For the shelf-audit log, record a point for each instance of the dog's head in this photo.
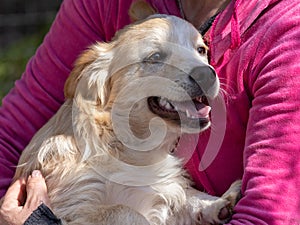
(153, 68)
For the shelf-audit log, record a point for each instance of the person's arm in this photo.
(39, 93)
(271, 178)
(42, 216)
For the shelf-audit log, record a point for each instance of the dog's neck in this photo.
(143, 157)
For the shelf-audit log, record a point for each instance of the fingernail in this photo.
(36, 173)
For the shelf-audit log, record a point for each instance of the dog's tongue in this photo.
(193, 109)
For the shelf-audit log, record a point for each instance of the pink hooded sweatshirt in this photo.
(255, 49)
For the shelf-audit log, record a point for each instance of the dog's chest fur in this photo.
(84, 187)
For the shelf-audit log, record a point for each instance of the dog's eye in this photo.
(202, 50)
(154, 58)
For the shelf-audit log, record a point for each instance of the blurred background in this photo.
(23, 25)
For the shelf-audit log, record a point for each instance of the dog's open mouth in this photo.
(191, 113)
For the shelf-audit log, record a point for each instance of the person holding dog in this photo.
(254, 47)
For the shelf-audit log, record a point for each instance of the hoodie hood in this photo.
(230, 25)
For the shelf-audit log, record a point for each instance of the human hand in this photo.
(22, 198)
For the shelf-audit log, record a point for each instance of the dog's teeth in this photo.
(199, 99)
(168, 106)
(163, 102)
(187, 113)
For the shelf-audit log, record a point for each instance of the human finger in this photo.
(36, 191)
(11, 208)
(16, 194)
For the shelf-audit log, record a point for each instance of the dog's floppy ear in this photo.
(85, 59)
(90, 74)
(140, 10)
(87, 90)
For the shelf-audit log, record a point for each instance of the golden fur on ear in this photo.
(140, 10)
(82, 62)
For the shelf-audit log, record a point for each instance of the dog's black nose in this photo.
(204, 76)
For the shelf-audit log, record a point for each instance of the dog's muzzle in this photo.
(206, 79)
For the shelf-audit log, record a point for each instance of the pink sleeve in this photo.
(39, 93)
(271, 178)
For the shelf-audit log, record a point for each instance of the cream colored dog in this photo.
(107, 153)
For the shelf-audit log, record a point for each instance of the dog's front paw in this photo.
(208, 209)
(232, 195)
(215, 212)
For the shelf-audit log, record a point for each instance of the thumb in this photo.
(15, 195)
(36, 191)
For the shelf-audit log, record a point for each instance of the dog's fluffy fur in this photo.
(93, 177)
